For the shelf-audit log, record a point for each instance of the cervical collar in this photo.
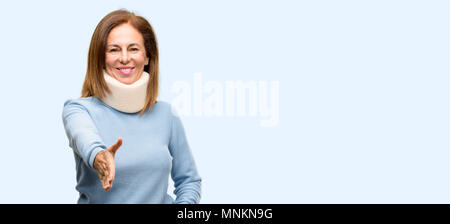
(126, 98)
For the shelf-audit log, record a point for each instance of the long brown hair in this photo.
(94, 82)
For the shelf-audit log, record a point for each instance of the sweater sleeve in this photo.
(184, 172)
(81, 132)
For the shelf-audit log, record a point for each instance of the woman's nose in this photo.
(124, 58)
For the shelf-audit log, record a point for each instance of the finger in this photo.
(104, 182)
(108, 184)
(103, 174)
(112, 173)
(100, 170)
(116, 145)
(109, 175)
(108, 171)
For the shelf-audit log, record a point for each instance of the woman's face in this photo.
(125, 54)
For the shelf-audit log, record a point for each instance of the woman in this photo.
(125, 142)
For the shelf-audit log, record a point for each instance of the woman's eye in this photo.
(134, 49)
(113, 50)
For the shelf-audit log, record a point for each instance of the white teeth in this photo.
(125, 69)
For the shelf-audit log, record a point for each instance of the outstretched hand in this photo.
(105, 166)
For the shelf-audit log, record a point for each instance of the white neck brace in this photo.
(126, 98)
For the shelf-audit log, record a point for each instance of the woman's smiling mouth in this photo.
(126, 70)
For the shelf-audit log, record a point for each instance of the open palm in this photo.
(105, 166)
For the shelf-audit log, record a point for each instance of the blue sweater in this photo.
(154, 146)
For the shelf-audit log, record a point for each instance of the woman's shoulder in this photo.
(85, 102)
(162, 104)
(165, 108)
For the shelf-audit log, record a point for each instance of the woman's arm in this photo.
(81, 132)
(184, 172)
(87, 143)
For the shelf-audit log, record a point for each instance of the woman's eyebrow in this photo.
(129, 45)
(112, 45)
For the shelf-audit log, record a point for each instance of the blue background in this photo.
(363, 97)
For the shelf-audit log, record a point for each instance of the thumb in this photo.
(113, 148)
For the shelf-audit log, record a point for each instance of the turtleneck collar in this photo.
(126, 98)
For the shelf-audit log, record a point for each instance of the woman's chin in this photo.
(126, 80)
